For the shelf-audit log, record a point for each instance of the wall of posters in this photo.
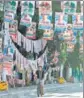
(31, 31)
(69, 7)
(61, 21)
(77, 20)
(48, 34)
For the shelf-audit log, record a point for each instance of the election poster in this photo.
(31, 31)
(77, 20)
(61, 21)
(13, 27)
(48, 34)
(25, 20)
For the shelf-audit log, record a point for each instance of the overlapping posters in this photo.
(45, 7)
(27, 12)
(77, 20)
(10, 10)
(13, 27)
(60, 22)
(48, 34)
(31, 31)
(0, 45)
(69, 7)
(45, 15)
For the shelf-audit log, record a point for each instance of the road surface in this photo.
(68, 90)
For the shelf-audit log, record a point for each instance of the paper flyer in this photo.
(61, 21)
(77, 20)
(45, 7)
(13, 27)
(31, 31)
(25, 20)
(48, 34)
(69, 7)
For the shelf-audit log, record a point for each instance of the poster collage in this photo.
(66, 32)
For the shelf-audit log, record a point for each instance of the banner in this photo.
(48, 34)
(31, 31)
(45, 7)
(61, 21)
(69, 7)
(77, 20)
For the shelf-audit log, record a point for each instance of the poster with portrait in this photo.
(8, 16)
(48, 34)
(77, 20)
(28, 7)
(14, 37)
(31, 31)
(69, 7)
(13, 27)
(61, 21)
(45, 7)
(45, 21)
(25, 20)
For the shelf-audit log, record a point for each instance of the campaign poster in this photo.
(25, 20)
(69, 7)
(61, 21)
(31, 31)
(77, 20)
(8, 16)
(48, 34)
(45, 7)
(28, 7)
(13, 27)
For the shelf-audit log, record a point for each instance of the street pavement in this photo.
(67, 90)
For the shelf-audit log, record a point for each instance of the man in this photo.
(40, 81)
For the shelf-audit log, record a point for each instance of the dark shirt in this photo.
(40, 74)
